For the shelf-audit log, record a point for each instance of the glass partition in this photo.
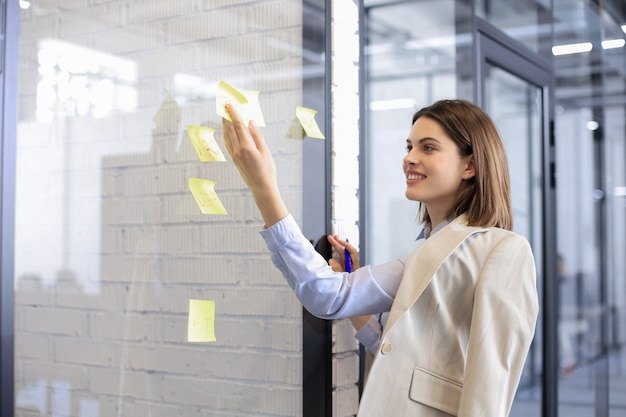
(130, 300)
(409, 65)
(528, 22)
(517, 108)
(590, 199)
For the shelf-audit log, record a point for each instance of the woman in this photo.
(462, 307)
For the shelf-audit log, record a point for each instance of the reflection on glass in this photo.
(77, 81)
(408, 66)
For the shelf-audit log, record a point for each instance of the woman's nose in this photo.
(409, 158)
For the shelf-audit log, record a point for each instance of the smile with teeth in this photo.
(415, 176)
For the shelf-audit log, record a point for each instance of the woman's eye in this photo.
(408, 148)
(428, 148)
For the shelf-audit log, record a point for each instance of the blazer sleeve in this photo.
(502, 328)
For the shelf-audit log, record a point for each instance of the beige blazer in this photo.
(459, 329)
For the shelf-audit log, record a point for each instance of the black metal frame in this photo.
(10, 19)
(316, 224)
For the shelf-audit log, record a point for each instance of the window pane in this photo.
(408, 66)
(528, 22)
(590, 203)
(111, 245)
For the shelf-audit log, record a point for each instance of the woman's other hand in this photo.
(339, 245)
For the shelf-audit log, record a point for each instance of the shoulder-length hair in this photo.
(485, 198)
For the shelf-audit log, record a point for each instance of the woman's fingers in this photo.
(336, 266)
(339, 245)
(235, 131)
(227, 133)
(255, 164)
(243, 150)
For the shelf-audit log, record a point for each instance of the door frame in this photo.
(494, 47)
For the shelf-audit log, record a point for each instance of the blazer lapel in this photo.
(427, 258)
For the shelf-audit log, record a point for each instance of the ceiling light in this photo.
(593, 125)
(400, 103)
(572, 48)
(613, 43)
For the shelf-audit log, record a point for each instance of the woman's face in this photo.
(434, 168)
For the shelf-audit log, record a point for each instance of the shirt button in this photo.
(385, 348)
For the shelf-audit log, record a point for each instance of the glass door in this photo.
(515, 90)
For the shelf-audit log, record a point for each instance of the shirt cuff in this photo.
(369, 334)
(280, 233)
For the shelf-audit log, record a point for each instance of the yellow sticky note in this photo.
(307, 120)
(204, 193)
(205, 144)
(201, 325)
(246, 102)
(253, 108)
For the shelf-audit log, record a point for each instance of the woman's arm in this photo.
(502, 328)
(324, 292)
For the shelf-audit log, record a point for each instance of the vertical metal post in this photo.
(9, 22)
(316, 212)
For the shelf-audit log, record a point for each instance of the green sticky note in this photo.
(206, 197)
(201, 327)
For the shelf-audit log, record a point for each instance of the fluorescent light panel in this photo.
(400, 103)
(613, 43)
(572, 48)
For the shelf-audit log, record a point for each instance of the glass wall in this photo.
(590, 135)
(129, 299)
(407, 68)
(411, 65)
(528, 22)
(113, 251)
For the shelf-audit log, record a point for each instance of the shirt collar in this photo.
(428, 231)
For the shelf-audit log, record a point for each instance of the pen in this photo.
(348, 259)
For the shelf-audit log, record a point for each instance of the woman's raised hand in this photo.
(253, 159)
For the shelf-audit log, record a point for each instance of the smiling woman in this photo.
(469, 288)
(111, 127)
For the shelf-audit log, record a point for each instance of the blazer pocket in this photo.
(435, 391)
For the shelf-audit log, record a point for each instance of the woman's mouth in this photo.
(415, 177)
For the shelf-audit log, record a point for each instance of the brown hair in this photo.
(486, 197)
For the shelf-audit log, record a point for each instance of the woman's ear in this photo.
(469, 171)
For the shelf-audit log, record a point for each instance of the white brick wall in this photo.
(110, 246)
(345, 169)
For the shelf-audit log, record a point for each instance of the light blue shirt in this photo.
(323, 292)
